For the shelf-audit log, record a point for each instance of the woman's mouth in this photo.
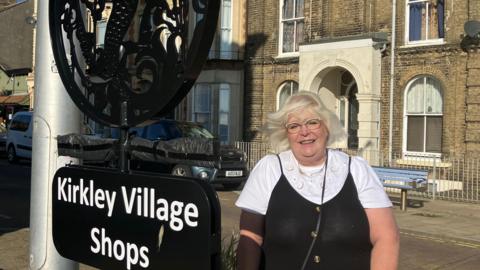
(307, 141)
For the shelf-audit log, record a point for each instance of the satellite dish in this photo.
(472, 28)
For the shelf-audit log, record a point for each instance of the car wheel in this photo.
(182, 170)
(12, 154)
(232, 186)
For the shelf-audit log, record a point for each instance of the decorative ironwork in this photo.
(150, 56)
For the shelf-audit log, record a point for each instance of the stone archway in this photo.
(321, 67)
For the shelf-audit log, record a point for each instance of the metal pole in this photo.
(392, 81)
(434, 175)
(124, 140)
(54, 114)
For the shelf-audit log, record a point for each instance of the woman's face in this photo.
(309, 143)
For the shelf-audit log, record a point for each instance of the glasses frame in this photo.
(305, 123)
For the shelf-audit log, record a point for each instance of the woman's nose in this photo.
(304, 130)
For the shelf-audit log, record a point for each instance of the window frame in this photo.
(215, 112)
(226, 48)
(280, 29)
(197, 111)
(224, 87)
(421, 42)
(416, 154)
(280, 88)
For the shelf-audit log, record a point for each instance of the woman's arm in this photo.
(249, 251)
(384, 237)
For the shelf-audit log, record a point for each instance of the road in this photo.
(14, 196)
(417, 251)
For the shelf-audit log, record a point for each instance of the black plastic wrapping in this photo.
(192, 151)
(86, 147)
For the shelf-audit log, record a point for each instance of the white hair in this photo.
(274, 128)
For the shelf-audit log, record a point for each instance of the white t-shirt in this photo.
(307, 181)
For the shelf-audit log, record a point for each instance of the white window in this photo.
(423, 120)
(286, 89)
(226, 30)
(291, 25)
(224, 113)
(211, 107)
(424, 21)
(202, 97)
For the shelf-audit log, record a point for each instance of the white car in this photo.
(19, 137)
(3, 140)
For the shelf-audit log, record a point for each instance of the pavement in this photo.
(443, 221)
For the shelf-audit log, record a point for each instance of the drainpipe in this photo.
(310, 22)
(392, 71)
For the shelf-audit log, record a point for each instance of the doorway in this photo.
(348, 106)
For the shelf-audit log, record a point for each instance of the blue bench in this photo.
(403, 179)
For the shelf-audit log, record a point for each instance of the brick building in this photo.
(216, 99)
(401, 75)
(6, 2)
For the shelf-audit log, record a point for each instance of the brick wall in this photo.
(457, 70)
(6, 2)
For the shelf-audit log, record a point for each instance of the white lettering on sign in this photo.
(143, 202)
(128, 252)
(85, 195)
(140, 201)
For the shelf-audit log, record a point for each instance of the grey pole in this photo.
(54, 114)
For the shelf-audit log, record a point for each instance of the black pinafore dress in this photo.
(341, 242)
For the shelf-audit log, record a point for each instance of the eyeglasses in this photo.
(311, 124)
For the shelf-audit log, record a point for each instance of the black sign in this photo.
(144, 63)
(111, 220)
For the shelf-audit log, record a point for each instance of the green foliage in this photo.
(229, 249)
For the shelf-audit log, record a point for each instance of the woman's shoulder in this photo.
(360, 163)
(268, 159)
(338, 155)
(266, 164)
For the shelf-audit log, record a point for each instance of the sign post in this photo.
(151, 54)
(54, 114)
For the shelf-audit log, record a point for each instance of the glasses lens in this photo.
(313, 124)
(293, 127)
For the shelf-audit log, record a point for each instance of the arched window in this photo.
(423, 116)
(287, 89)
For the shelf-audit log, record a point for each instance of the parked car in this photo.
(19, 137)
(230, 169)
(3, 140)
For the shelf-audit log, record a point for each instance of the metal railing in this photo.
(449, 177)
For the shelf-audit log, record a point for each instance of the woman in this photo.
(310, 207)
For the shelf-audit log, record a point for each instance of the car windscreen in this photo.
(168, 130)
